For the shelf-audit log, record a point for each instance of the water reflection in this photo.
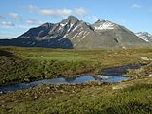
(62, 80)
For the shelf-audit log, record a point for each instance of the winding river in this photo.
(109, 75)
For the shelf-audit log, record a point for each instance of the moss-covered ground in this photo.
(26, 64)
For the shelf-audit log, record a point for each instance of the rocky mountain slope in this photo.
(75, 33)
(145, 36)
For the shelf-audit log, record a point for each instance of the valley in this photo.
(29, 64)
(75, 57)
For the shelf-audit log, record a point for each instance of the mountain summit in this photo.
(104, 25)
(75, 33)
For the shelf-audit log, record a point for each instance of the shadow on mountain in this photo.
(64, 43)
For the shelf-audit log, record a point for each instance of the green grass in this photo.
(136, 98)
(27, 64)
(107, 57)
(19, 70)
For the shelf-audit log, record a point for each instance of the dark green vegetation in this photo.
(26, 64)
(19, 65)
(131, 97)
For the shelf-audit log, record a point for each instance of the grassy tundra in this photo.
(131, 97)
(27, 64)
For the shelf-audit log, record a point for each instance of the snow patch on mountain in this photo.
(104, 25)
(80, 34)
(145, 36)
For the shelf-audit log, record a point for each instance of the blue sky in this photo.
(17, 16)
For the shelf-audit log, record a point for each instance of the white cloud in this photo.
(33, 22)
(23, 26)
(32, 8)
(94, 18)
(80, 11)
(55, 12)
(136, 6)
(59, 12)
(7, 24)
(14, 15)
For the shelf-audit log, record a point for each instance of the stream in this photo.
(109, 75)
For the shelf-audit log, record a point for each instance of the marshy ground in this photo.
(26, 64)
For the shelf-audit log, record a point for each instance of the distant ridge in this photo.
(75, 33)
(145, 36)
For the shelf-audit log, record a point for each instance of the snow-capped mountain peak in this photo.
(145, 36)
(104, 25)
(80, 34)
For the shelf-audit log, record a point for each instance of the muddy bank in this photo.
(120, 70)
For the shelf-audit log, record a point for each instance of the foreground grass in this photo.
(27, 64)
(134, 98)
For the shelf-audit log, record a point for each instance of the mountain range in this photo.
(145, 36)
(75, 33)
